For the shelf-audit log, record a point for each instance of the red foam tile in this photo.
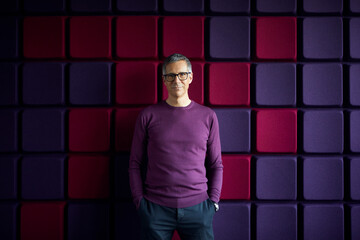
(276, 38)
(89, 130)
(125, 119)
(44, 37)
(90, 37)
(236, 177)
(229, 84)
(276, 130)
(183, 35)
(131, 32)
(136, 82)
(88, 177)
(42, 221)
(196, 89)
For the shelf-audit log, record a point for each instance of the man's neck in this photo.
(178, 102)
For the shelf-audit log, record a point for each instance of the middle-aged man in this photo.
(177, 142)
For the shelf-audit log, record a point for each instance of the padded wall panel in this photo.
(121, 176)
(44, 6)
(126, 221)
(354, 131)
(355, 221)
(9, 6)
(229, 6)
(88, 176)
(354, 6)
(9, 130)
(9, 218)
(9, 177)
(8, 84)
(185, 6)
(44, 37)
(90, 37)
(137, 6)
(9, 28)
(354, 38)
(276, 6)
(90, 6)
(354, 84)
(323, 6)
(354, 178)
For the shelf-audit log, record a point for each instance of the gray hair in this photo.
(174, 58)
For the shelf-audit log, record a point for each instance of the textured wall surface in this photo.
(283, 77)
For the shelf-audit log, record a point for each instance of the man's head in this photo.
(177, 75)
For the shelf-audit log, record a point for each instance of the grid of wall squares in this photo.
(283, 80)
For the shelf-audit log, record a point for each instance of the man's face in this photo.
(177, 88)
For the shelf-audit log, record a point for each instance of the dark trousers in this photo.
(159, 222)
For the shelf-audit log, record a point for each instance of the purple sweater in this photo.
(182, 145)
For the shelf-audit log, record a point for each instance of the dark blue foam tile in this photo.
(322, 84)
(276, 6)
(232, 221)
(43, 83)
(185, 6)
(8, 84)
(354, 6)
(230, 6)
(323, 178)
(323, 131)
(8, 130)
(354, 178)
(8, 177)
(43, 130)
(323, 221)
(323, 6)
(275, 84)
(354, 131)
(42, 177)
(122, 185)
(88, 221)
(276, 177)
(9, 37)
(127, 221)
(322, 38)
(44, 6)
(354, 84)
(234, 127)
(9, 6)
(276, 221)
(354, 221)
(90, 5)
(229, 38)
(8, 220)
(354, 38)
(90, 83)
(137, 6)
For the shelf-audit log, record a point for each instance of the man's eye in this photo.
(182, 74)
(171, 75)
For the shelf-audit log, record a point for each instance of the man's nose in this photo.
(177, 79)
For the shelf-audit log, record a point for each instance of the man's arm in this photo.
(214, 167)
(137, 156)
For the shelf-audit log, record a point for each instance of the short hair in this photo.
(174, 58)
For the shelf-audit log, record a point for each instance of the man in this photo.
(178, 142)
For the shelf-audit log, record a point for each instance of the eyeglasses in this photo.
(171, 76)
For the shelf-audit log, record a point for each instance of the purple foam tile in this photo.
(185, 6)
(323, 6)
(354, 130)
(9, 27)
(354, 178)
(8, 177)
(9, 130)
(276, 6)
(275, 84)
(90, 6)
(322, 84)
(276, 221)
(9, 6)
(354, 38)
(90, 83)
(42, 177)
(122, 185)
(276, 177)
(232, 221)
(354, 221)
(88, 221)
(127, 221)
(323, 178)
(137, 6)
(229, 6)
(323, 131)
(229, 38)
(8, 220)
(234, 125)
(43, 83)
(322, 38)
(354, 84)
(44, 6)
(43, 130)
(8, 84)
(323, 221)
(354, 6)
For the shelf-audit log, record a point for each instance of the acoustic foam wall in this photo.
(282, 76)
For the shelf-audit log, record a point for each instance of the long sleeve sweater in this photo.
(180, 149)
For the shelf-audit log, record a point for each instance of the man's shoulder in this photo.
(204, 109)
(152, 108)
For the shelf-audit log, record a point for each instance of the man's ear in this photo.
(190, 77)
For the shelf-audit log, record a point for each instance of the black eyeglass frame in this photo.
(176, 75)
